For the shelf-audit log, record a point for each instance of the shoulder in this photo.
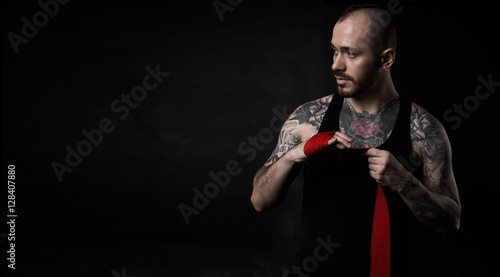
(302, 124)
(424, 124)
(322, 102)
(427, 133)
(312, 112)
(307, 118)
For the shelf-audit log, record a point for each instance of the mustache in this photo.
(342, 75)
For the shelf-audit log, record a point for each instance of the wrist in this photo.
(296, 154)
(407, 180)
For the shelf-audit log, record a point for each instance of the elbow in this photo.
(452, 228)
(257, 205)
(455, 222)
(455, 226)
(451, 221)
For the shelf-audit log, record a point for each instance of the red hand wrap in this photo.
(318, 143)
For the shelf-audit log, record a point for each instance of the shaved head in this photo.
(380, 32)
(363, 44)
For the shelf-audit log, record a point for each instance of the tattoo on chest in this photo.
(366, 128)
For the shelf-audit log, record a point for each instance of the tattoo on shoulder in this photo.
(430, 140)
(311, 113)
(431, 145)
(428, 133)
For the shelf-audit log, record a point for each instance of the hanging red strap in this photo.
(381, 240)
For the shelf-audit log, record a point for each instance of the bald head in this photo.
(380, 32)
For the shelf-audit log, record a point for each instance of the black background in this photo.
(118, 209)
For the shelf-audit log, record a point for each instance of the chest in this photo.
(368, 129)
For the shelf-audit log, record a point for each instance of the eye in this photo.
(351, 54)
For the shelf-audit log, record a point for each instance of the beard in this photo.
(356, 87)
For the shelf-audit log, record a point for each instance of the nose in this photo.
(338, 63)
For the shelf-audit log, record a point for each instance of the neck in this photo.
(376, 96)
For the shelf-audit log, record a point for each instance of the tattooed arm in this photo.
(434, 202)
(271, 182)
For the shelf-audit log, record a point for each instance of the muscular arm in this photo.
(435, 202)
(271, 182)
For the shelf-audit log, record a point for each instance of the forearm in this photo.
(271, 182)
(439, 212)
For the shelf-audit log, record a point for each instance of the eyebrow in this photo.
(345, 48)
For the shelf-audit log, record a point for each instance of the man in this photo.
(388, 157)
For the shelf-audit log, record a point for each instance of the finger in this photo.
(376, 176)
(374, 167)
(340, 135)
(345, 142)
(340, 145)
(372, 152)
(369, 152)
(339, 142)
(343, 136)
(374, 160)
(333, 142)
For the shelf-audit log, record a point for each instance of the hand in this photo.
(386, 169)
(323, 142)
(336, 143)
(340, 141)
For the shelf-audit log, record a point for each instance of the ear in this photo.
(387, 58)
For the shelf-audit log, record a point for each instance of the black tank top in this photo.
(339, 200)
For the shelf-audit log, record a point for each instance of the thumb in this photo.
(370, 152)
(332, 141)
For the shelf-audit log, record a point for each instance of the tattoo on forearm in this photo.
(435, 202)
(311, 113)
(428, 134)
(288, 139)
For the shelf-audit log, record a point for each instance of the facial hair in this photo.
(359, 86)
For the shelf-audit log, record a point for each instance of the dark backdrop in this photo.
(117, 212)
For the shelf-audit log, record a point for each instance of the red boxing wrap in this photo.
(318, 143)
